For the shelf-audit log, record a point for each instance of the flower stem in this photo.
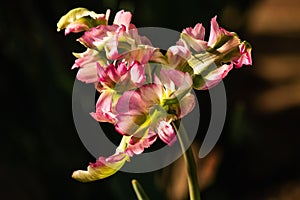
(191, 168)
(139, 191)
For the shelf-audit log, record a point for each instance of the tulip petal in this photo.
(187, 104)
(166, 132)
(215, 76)
(88, 74)
(102, 168)
(123, 18)
(137, 145)
(197, 32)
(80, 19)
(104, 111)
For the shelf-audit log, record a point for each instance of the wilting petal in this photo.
(186, 105)
(89, 56)
(245, 58)
(80, 19)
(128, 124)
(193, 37)
(87, 64)
(177, 56)
(104, 112)
(131, 112)
(151, 94)
(137, 74)
(123, 18)
(111, 45)
(76, 27)
(197, 32)
(137, 147)
(97, 36)
(166, 132)
(214, 77)
(88, 73)
(158, 57)
(108, 77)
(130, 102)
(218, 36)
(102, 168)
(135, 102)
(176, 82)
(142, 55)
(122, 68)
(180, 79)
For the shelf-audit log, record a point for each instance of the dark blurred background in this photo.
(257, 156)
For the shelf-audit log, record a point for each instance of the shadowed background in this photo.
(257, 156)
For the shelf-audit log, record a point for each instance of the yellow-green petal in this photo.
(79, 14)
(104, 167)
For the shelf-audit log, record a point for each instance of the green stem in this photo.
(191, 168)
(139, 191)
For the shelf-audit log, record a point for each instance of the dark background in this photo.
(258, 152)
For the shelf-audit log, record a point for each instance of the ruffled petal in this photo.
(214, 77)
(88, 73)
(218, 35)
(80, 19)
(245, 58)
(177, 56)
(131, 103)
(128, 124)
(186, 105)
(194, 38)
(104, 111)
(137, 145)
(197, 32)
(102, 168)
(166, 132)
(137, 74)
(123, 18)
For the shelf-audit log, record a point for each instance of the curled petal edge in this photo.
(102, 168)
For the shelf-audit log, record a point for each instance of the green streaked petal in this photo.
(102, 168)
(80, 15)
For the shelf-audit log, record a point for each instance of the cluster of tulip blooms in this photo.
(143, 89)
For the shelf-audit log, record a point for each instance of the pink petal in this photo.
(150, 94)
(95, 35)
(102, 168)
(128, 124)
(87, 57)
(245, 58)
(214, 77)
(141, 55)
(76, 28)
(166, 132)
(104, 111)
(187, 104)
(197, 32)
(122, 68)
(216, 33)
(123, 18)
(138, 147)
(182, 81)
(130, 102)
(88, 73)
(132, 112)
(177, 55)
(137, 74)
